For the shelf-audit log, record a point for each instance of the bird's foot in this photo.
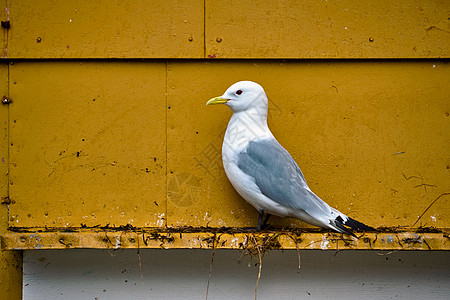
(262, 224)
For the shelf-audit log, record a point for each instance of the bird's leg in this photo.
(262, 224)
(261, 214)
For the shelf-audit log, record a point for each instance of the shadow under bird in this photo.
(263, 172)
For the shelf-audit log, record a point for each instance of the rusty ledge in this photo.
(225, 238)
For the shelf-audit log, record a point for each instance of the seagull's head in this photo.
(242, 96)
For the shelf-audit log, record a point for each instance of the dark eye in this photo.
(238, 92)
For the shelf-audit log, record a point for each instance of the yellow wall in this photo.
(95, 140)
(105, 143)
(227, 29)
(10, 261)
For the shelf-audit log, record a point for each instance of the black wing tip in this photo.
(352, 225)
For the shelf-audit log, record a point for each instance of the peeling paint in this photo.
(118, 243)
(324, 243)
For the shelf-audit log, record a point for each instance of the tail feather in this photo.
(350, 225)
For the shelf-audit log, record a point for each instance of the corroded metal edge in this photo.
(165, 239)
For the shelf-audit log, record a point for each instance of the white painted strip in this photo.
(183, 274)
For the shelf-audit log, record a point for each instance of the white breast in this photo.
(243, 128)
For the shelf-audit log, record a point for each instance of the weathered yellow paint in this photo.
(87, 144)
(106, 239)
(105, 29)
(110, 143)
(327, 29)
(4, 36)
(88, 147)
(4, 134)
(131, 144)
(10, 273)
(371, 138)
(227, 29)
(10, 261)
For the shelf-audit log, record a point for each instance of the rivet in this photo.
(218, 40)
(39, 39)
(6, 200)
(6, 24)
(23, 239)
(190, 39)
(371, 39)
(6, 100)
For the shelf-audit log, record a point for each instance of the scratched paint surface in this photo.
(105, 29)
(10, 261)
(205, 238)
(227, 29)
(87, 144)
(88, 147)
(327, 29)
(370, 137)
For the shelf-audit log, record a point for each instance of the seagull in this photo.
(263, 172)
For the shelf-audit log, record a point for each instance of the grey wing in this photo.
(278, 176)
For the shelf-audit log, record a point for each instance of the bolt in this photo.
(6, 200)
(6, 100)
(6, 24)
(218, 40)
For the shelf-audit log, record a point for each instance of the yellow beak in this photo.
(217, 100)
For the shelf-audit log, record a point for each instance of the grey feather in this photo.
(278, 176)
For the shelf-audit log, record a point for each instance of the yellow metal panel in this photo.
(106, 29)
(327, 29)
(87, 144)
(4, 133)
(371, 138)
(4, 36)
(10, 261)
(228, 239)
(233, 29)
(10, 274)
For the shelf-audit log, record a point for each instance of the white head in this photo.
(243, 96)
